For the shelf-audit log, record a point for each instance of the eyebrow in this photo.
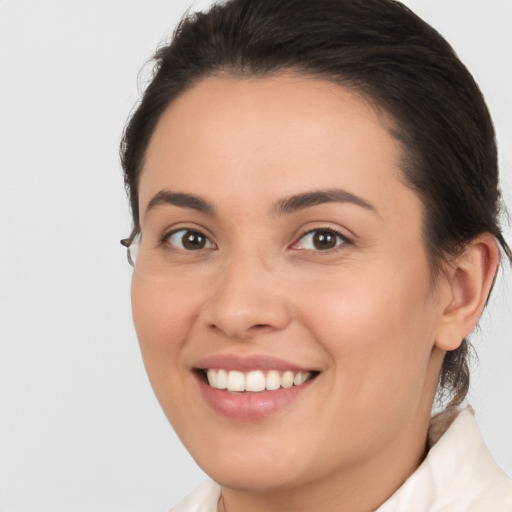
(182, 200)
(308, 199)
(284, 206)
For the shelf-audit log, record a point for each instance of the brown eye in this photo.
(193, 241)
(189, 240)
(324, 240)
(320, 240)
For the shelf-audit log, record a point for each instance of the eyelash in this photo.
(341, 240)
(166, 239)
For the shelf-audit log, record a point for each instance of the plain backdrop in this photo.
(80, 429)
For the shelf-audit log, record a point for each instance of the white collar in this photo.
(458, 475)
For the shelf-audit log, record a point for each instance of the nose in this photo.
(246, 298)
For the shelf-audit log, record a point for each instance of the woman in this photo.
(315, 200)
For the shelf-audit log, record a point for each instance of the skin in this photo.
(364, 314)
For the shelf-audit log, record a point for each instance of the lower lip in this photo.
(249, 406)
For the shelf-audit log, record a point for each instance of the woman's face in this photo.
(279, 242)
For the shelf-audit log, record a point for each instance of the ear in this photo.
(470, 280)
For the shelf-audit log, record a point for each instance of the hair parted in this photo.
(384, 51)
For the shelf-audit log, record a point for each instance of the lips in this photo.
(250, 388)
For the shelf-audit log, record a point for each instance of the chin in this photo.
(251, 462)
(254, 477)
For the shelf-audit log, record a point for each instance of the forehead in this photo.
(281, 134)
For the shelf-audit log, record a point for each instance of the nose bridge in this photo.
(246, 297)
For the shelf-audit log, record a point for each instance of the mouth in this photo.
(254, 381)
(254, 387)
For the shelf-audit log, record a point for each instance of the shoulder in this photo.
(202, 499)
(458, 474)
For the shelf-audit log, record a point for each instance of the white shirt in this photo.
(458, 475)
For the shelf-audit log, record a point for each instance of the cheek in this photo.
(162, 315)
(377, 327)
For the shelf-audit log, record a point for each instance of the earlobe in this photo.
(471, 277)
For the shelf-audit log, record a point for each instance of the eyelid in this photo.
(211, 245)
(345, 240)
(170, 233)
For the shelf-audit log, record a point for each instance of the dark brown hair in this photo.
(384, 51)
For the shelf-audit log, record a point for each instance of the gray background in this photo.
(79, 427)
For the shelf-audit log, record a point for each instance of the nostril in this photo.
(261, 328)
(239, 318)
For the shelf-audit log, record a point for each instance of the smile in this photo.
(255, 381)
(250, 388)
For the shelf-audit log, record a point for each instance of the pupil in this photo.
(324, 240)
(193, 241)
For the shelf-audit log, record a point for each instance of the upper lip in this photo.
(247, 363)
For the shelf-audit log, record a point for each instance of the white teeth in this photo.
(212, 377)
(255, 381)
(236, 381)
(287, 379)
(273, 380)
(299, 379)
(221, 380)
